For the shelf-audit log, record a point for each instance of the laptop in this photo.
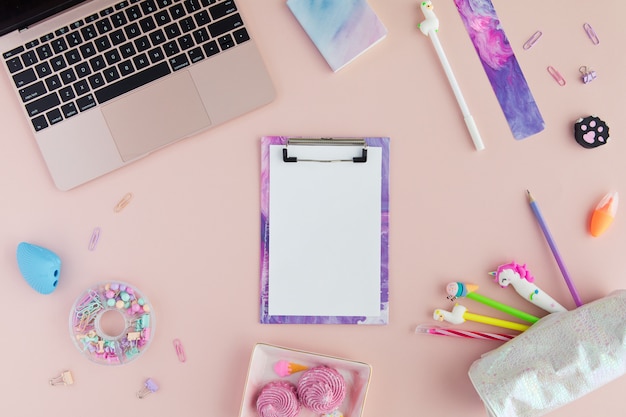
(104, 83)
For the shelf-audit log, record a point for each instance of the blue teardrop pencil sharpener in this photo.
(39, 266)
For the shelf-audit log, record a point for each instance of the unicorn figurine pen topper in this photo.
(520, 278)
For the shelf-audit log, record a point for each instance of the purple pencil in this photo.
(553, 248)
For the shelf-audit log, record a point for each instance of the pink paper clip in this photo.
(123, 202)
(532, 40)
(180, 351)
(94, 238)
(591, 33)
(556, 75)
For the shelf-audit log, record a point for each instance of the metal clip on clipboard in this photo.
(325, 142)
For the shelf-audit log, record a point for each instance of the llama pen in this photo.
(459, 314)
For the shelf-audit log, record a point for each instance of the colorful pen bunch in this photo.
(508, 274)
(459, 313)
(522, 281)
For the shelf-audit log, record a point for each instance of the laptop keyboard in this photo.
(117, 50)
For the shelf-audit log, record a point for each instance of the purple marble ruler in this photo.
(503, 70)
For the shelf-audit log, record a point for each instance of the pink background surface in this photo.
(190, 237)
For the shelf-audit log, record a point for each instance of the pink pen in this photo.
(441, 331)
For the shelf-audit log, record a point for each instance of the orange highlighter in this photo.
(603, 214)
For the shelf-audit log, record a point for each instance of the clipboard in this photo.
(324, 230)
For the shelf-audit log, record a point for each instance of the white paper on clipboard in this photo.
(325, 233)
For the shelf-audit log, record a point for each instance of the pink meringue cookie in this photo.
(278, 399)
(321, 389)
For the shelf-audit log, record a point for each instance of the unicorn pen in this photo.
(459, 289)
(459, 314)
(429, 27)
(520, 278)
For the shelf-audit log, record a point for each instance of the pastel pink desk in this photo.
(190, 237)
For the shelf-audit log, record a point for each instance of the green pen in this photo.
(459, 289)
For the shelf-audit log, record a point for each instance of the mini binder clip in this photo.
(65, 378)
(149, 387)
(325, 142)
(588, 74)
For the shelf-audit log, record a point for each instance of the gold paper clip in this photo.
(123, 202)
(65, 378)
(180, 351)
(591, 33)
(94, 238)
(533, 39)
(556, 75)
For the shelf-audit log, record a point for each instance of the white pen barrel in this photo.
(474, 133)
(448, 70)
(469, 120)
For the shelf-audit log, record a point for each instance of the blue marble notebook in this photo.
(340, 29)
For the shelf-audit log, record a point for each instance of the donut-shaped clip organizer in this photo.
(112, 323)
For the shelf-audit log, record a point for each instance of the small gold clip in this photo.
(133, 336)
(65, 378)
(123, 202)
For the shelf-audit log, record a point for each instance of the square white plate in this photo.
(261, 371)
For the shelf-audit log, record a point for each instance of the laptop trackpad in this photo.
(155, 116)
